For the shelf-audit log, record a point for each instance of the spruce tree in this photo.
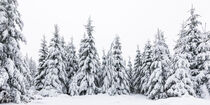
(120, 77)
(71, 64)
(203, 62)
(106, 75)
(109, 74)
(13, 86)
(32, 70)
(144, 71)
(160, 68)
(136, 70)
(179, 83)
(130, 73)
(55, 74)
(191, 37)
(87, 78)
(43, 53)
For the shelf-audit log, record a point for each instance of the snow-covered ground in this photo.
(116, 100)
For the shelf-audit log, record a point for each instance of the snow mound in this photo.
(116, 100)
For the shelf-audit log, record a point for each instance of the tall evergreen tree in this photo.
(55, 73)
(43, 53)
(203, 62)
(32, 70)
(107, 75)
(120, 77)
(205, 58)
(179, 83)
(130, 73)
(72, 63)
(160, 68)
(87, 78)
(191, 38)
(144, 72)
(136, 70)
(13, 70)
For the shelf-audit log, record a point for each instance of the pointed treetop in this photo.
(72, 40)
(117, 38)
(89, 27)
(192, 10)
(56, 27)
(44, 37)
(159, 36)
(137, 47)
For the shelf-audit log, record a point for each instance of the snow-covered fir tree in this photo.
(120, 83)
(191, 37)
(130, 73)
(160, 68)
(203, 62)
(179, 83)
(55, 78)
(143, 71)
(32, 69)
(206, 58)
(73, 85)
(106, 75)
(71, 64)
(87, 78)
(43, 53)
(136, 70)
(13, 70)
(109, 86)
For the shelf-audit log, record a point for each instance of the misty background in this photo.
(135, 21)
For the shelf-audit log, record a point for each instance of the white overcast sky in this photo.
(135, 21)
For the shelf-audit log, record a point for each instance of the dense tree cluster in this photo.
(155, 73)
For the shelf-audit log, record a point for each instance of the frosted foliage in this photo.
(130, 72)
(55, 75)
(179, 83)
(13, 69)
(161, 68)
(87, 77)
(120, 77)
(145, 70)
(43, 53)
(136, 69)
(106, 73)
(71, 66)
(203, 64)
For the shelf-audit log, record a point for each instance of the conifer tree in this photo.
(160, 68)
(32, 70)
(179, 83)
(43, 53)
(203, 62)
(120, 77)
(87, 78)
(107, 75)
(130, 72)
(55, 74)
(13, 70)
(144, 71)
(71, 63)
(191, 38)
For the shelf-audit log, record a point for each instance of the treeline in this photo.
(155, 72)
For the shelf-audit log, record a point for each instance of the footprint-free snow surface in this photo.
(116, 100)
